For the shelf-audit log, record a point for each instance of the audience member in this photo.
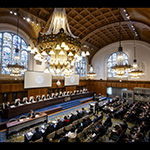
(37, 135)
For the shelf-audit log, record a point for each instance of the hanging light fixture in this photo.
(60, 44)
(91, 74)
(16, 68)
(120, 68)
(135, 72)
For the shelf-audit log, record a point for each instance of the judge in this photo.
(17, 102)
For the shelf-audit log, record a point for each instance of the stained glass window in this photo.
(8, 42)
(112, 60)
(80, 67)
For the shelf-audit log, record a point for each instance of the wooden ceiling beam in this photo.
(29, 13)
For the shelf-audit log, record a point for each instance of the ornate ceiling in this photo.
(96, 27)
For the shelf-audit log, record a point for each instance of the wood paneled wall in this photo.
(97, 86)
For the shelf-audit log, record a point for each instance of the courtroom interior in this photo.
(74, 75)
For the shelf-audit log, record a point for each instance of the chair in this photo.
(80, 136)
(74, 123)
(85, 130)
(22, 117)
(37, 113)
(60, 131)
(80, 120)
(68, 127)
(72, 140)
(38, 141)
(13, 119)
(51, 135)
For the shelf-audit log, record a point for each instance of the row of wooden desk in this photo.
(25, 108)
(26, 122)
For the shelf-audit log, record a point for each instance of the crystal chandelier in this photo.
(91, 74)
(135, 72)
(120, 68)
(16, 68)
(60, 44)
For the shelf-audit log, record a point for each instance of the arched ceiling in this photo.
(96, 27)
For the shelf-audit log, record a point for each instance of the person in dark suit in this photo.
(108, 121)
(31, 114)
(79, 115)
(37, 98)
(79, 127)
(73, 117)
(18, 102)
(59, 124)
(37, 135)
(96, 108)
(85, 123)
(66, 121)
(48, 130)
(7, 105)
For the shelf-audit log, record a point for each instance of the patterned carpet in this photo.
(19, 136)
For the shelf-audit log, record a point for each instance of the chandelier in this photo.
(60, 44)
(16, 68)
(120, 68)
(91, 74)
(135, 72)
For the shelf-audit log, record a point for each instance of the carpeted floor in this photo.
(19, 136)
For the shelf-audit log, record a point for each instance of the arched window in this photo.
(8, 43)
(80, 67)
(112, 60)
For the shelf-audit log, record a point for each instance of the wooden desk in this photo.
(25, 108)
(17, 125)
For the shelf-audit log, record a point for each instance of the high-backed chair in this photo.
(38, 141)
(51, 135)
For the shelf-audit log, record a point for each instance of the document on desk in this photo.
(30, 133)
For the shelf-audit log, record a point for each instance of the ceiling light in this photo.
(28, 19)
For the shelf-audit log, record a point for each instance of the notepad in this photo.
(30, 133)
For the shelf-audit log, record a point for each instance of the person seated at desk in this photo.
(17, 102)
(48, 97)
(37, 135)
(59, 124)
(31, 114)
(48, 130)
(73, 117)
(7, 105)
(66, 121)
(57, 94)
(25, 99)
(60, 93)
(65, 93)
(75, 92)
(71, 93)
(68, 93)
(38, 98)
(79, 115)
(53, 95)
(43, 97)
(32, 99)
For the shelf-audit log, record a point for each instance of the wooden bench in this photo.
(86, 100)
(53, 110)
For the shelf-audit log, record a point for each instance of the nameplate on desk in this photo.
(68, 98)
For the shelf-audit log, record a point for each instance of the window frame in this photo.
(12, 49)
